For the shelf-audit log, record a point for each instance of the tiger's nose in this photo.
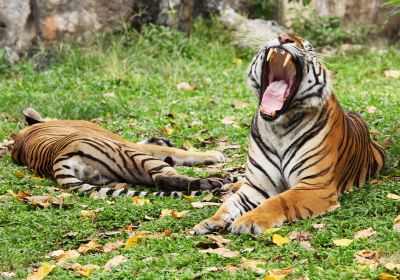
(285, 39)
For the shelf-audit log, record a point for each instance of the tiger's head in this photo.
(287, 76)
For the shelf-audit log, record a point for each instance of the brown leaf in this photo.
(42, 272)
(20, 174)
(166, 130)
(397, 219)
(374, 132)
(67, 255)
(117, 260)
(299, 235)
(365, 233)
(185, 86)
(228, 120)
(92, 245)
(375, 182)
(396, 227)
(226, 253)
(197, 204)
(112, 246)
(178, 215)
(392, 74)
(240, 105)
(252, 265)
(366, 257)
(218, 239)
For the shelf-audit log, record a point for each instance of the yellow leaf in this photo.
(131, 241)
(12, 193)
(237, 61)
(271, 230)
(42, 272)
(178, 215)
(165, 213)
(70, 254)
(36, 178)
(87, 214)
(279, 240)
(89, 246)
(20, 174)
(140, 201)
(189, 197)
(386, 276)
(342, 242)
(85, 270)
(166, 130)
(277, 273)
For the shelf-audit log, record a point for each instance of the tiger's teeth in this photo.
(269, 54)
(286, 60)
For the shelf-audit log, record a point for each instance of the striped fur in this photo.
(84, 157)
(299, 163)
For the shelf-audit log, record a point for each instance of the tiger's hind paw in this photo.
(212, 157)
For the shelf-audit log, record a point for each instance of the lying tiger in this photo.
(83, 157)
(304, 150)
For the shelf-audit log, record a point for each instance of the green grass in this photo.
(142, 70)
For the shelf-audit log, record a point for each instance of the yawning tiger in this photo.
(304, 151)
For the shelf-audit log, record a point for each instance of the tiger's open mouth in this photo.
(280, 80)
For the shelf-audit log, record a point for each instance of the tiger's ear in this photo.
(32, 116)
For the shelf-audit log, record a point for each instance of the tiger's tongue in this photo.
(274, 97)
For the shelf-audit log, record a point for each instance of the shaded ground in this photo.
(130, 82)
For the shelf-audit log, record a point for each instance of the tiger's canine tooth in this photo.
(269, 54)
(286, 59)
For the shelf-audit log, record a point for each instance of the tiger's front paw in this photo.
(253, 223)
(210, 225)
(212, 157)
(231, 187)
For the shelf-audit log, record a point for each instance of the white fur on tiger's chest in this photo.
(274, 156)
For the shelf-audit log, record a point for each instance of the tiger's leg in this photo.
(243, 200)
(176, 156)
(297, 203)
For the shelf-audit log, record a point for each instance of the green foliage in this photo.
(267, 8)
(395, 10)
(328, 30)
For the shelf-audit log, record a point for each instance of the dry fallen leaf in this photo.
(140, 201)
(342, 242)
(85, 270)
(185, 86)
(279, 240)
(67, 255)
(112, 246)
(134, 239)
(218, 239)
(392, 73)
(166, 130)
(393, 196)
(42, 272)
(240, 105)
(365, 233)
(318, 226)
(393, 266)
(87, 214)
(117, 260)
(226, 253)
(92, 245)
(386, 276)
(277, 273)
(228, 120)
(197, 204)
(367, 257)
(371, 109)
(178, 215)
(7, 274)
(165, 213)
(396, 227)
(237, 61)
(253, 265)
